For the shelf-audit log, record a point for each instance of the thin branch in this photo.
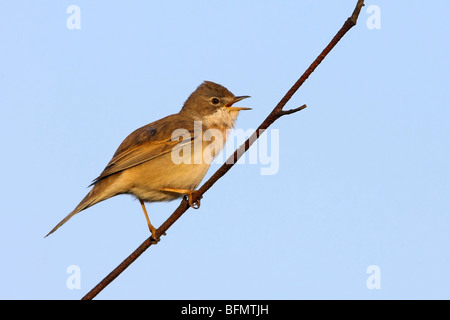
(276, 113)
(291, 111)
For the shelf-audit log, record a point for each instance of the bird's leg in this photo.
(188, 193)
(150, 226)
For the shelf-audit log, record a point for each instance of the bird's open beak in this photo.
(236, 99)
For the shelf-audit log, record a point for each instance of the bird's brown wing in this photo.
(147, 143)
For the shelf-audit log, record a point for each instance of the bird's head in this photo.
(212, 101)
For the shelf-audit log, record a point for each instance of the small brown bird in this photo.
(147, 163)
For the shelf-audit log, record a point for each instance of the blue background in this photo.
(364, 174)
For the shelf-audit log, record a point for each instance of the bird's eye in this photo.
(215, 101)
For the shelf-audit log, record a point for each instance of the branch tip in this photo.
(285, 112)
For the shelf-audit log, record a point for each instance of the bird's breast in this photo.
(147, 180)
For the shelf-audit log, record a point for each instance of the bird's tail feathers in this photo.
(89, 200)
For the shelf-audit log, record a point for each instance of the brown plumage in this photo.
(143, 165)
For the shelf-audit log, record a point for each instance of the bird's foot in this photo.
(190, 198)
(154, 238)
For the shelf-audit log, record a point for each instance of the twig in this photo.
(276, 113)
(286, 112)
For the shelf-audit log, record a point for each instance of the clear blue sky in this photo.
(364, 171)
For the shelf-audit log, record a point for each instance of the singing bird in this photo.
(144, 166)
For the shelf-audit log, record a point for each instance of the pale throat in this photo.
(221, 119)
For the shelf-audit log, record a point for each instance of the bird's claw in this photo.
(193, 204)
(154, 239)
